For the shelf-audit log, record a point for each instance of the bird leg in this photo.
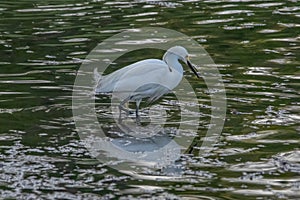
(121, 107)
(137, 111)
(137, 107)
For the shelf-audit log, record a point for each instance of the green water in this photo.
(255, 45)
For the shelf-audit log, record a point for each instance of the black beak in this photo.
(193, 68)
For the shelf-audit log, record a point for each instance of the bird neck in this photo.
(172, 61)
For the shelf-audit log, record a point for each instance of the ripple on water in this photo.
(233, 12)
(289, 161)
(258, 173)
(213, 21)
(51, 8)
(259, 71)
(277, 117)
(266, 5)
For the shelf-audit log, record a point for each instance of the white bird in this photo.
(150, 78)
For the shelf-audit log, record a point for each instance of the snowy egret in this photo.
(150, 78)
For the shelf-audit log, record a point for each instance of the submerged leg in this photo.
(137, 110)
(137, 107)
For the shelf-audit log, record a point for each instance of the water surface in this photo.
(255, 45)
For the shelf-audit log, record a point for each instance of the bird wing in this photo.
(151, 91)
(108, 83)
(160, 91)
(147, 80)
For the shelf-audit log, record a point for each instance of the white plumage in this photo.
(150, 78)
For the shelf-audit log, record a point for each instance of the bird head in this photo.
(184, 56)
